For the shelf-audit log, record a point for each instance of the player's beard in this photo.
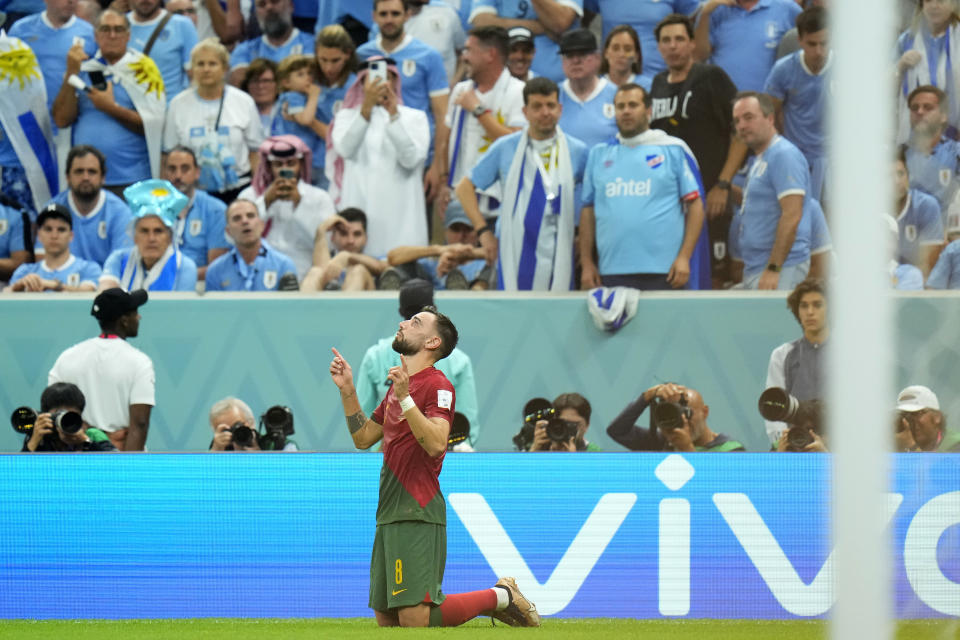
(275, 25)
(403, 347)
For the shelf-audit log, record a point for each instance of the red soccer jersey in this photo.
(410, 478)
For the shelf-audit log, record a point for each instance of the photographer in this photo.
(235, 428)
(678, 422)
(920, 415)
(797, 366)
(565, 426)
(803, 418)
(59, 426)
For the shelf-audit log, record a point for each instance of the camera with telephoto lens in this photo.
(803, 416)
(557, 430)
(24, 419)
(276, 424)
(668, 416)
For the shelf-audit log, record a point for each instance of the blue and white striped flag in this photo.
(23, 112)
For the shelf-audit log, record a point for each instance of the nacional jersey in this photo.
(637, 195)
(102, 231)
(804, 95)
(298, 42)
(643, 16)
(51, 45)
(203, 228)
(170, 51)
(74, 272)
(230, 272)
(410, 478)
(920, 223)
(546, 61)
(745, 43)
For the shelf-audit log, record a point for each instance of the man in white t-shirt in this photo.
(116, 378)
(487, 106)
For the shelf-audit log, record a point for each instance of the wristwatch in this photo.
(774, 267)
(483, 230)
(723, 184)
(478, 111)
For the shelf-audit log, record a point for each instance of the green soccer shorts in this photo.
(406, 566)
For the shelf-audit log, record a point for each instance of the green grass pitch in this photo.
(350, 628)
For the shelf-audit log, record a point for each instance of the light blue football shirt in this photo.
(546, 61)
(780, 171)
(230, 272)
(170, 51)
(636, 193)
(744, 43)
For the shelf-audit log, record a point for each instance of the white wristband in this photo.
(406, 404)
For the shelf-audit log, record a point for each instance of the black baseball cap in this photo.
(578, 41)
(54, 210)
(115, 302)
(415, 294)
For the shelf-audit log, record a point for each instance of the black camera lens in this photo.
(777, 405)
(67, 421)
(668, 416)
(798, 438)
(22, 419)
(243, 436)
(278, 420)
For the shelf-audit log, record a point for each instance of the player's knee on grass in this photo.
(387, 619)
(416, 616)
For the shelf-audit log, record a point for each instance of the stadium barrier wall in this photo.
(275, 349)
(607, 535)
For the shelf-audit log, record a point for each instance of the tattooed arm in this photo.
(364, 431)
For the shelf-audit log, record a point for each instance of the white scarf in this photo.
(515, 208)
(947, 79)
(141, 79)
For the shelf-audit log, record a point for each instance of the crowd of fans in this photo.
(489, 144)
(484, 144)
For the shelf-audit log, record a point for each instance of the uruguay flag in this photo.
(23, 112)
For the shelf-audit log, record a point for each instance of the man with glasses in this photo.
(121, 107)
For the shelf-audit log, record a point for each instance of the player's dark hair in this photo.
(766, 103)
(82, 150)
(540, 86)
(182, 148)
(495, 37)
(674, 18)
(811, 20)
(942, 100)
(62, 394)
(352, 214)
(637, 66)
(573, 401)
(447, 332)
(630, 86)
(810, 285)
